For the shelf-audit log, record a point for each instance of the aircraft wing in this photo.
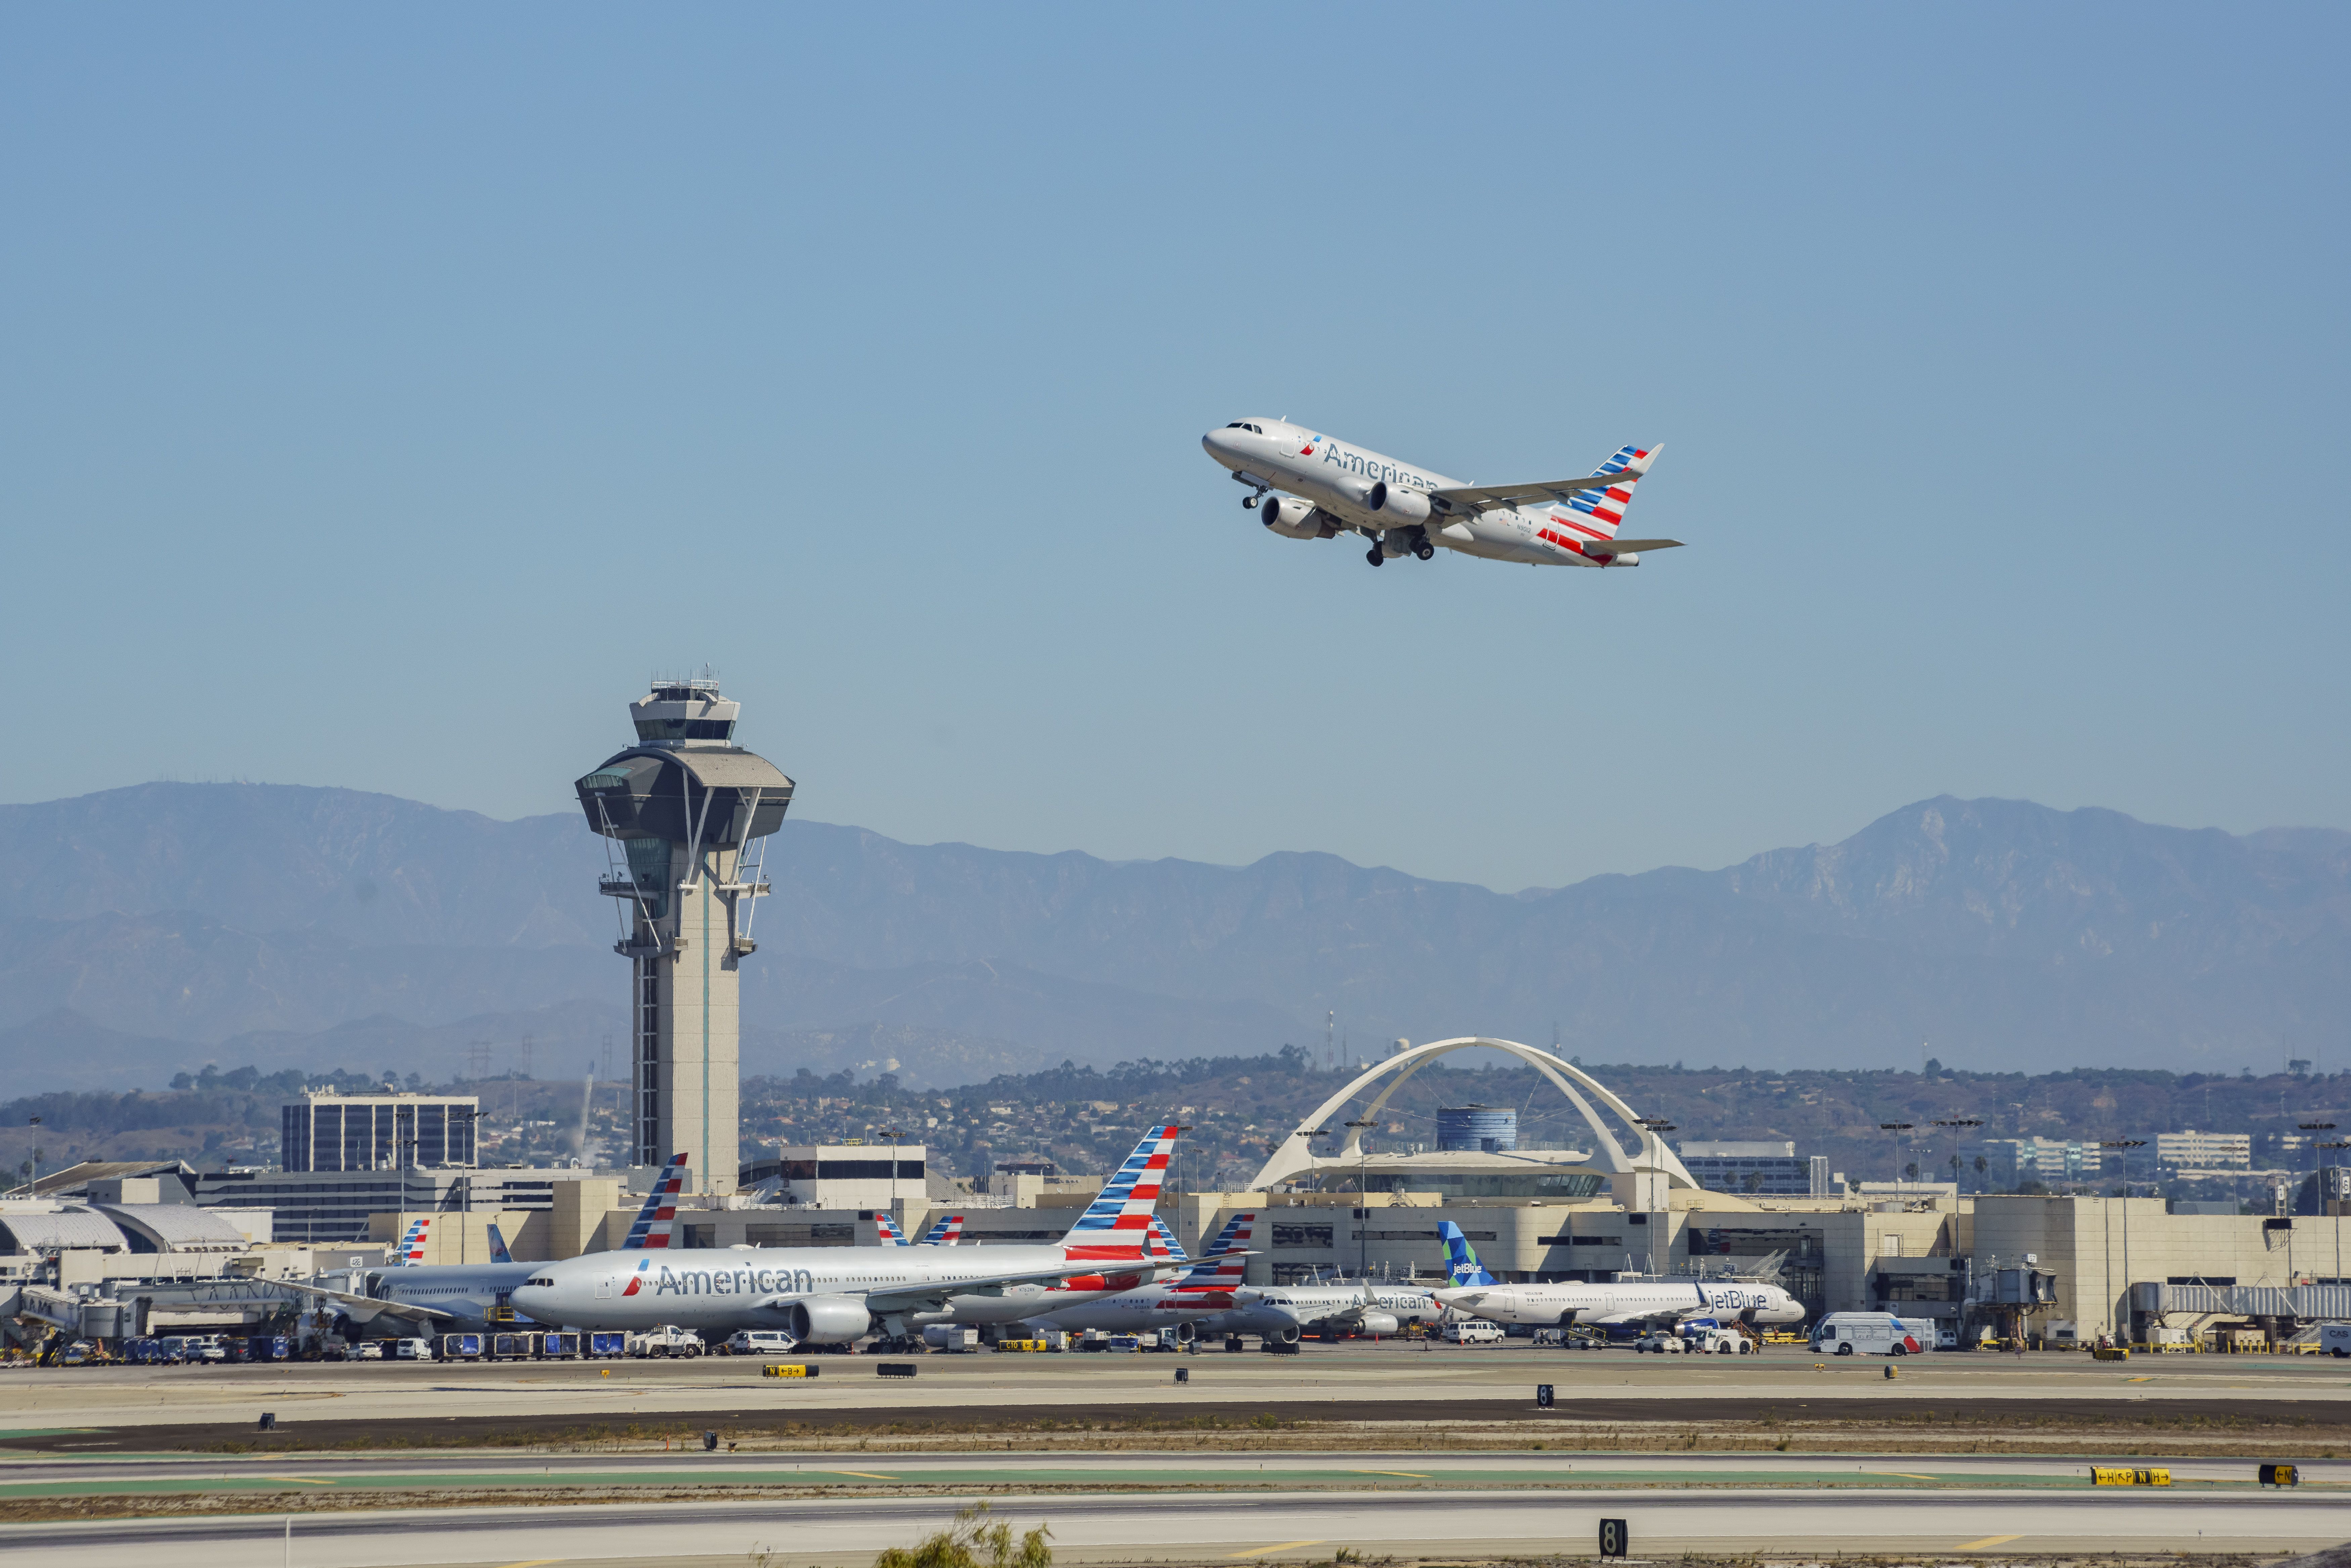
(905, 1298)
(1486, 497)
(366, 1309)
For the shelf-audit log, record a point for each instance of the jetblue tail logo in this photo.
(1461, 1263)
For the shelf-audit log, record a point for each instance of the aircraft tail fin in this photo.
(1118, 1222)
(1164, 1245)
(887, 1225)
(499, 1253)
(656, 1222)
(1602, 512)
(945, 1233)
(1225, 1262)
(1461, 1258)
(410, 1250)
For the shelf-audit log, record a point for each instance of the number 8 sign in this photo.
(1615, 1538)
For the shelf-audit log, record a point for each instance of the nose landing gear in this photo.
(1374, 555)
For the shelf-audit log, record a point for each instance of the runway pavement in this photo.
(1351, 1381)
(1226, 1528)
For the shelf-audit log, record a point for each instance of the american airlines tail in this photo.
(1225, 1264)
(945, 1233)
(1604, 509)
(1461, 1258)
(656, 1222)
(1117, 1224)
(410, 1250)
(1164, 1245)
(888, 1227)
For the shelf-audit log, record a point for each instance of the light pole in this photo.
(2322, 1185)
(1657, 1127)
(35, 1123)
(1955, 1124)
(2125, 1145)
(1897, 1129)
(1363, 1197)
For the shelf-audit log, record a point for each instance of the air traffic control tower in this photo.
(681, 810)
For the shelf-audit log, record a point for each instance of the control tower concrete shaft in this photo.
(684, 811)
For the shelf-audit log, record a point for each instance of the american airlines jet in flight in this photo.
(1404, 509)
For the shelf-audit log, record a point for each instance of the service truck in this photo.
(1872, 1333)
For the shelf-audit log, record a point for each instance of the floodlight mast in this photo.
(683, 810)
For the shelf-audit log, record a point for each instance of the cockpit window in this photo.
(1244, 424)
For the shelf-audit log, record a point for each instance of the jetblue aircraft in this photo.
(1478, 1295)
(836, 1295)
(1404, 509)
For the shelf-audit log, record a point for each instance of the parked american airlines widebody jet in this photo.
(835, 1295)
(1405, 509)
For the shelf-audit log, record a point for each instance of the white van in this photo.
(1476, 1330)
(1872, 1333)
(757, 1342)
(2334, 1339)
(412, 1350)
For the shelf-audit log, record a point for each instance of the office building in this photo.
(330, 1132)
(2192, 1150)
(1753, 1167)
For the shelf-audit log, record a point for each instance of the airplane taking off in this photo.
(1403, 509)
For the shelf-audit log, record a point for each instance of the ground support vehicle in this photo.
(606, 1343)
(757, 1342)
(2334, 1339)
(464, 1346)
(668, 1340)
(1872, 1333)
(1472, 1330)
(412, 1350)
(1660, 1344)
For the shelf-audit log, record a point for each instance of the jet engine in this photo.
(1297, 519)
(1286, 1334)
(1377, 1322)
(828, 1320)
(1398, 509)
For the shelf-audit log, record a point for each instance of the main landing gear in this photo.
(1424, 550)
(1374, 556)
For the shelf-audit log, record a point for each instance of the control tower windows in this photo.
(649, 731)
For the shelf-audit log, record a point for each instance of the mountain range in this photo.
(148, 930)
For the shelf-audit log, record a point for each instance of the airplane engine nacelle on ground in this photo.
(1397, 508)
(1286, 1334)
(1297, 519)
(828, 1320)
(1377, 1322)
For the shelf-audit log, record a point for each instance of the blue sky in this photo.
(384, 394)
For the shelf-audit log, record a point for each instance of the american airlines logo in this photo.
(723, 1282)
(1355, 463)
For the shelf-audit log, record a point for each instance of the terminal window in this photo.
(1303, 1235)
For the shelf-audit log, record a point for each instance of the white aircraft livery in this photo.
(1330, 487)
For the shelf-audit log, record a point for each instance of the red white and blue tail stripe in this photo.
(1225, 1262)
(1164, 1245)
(1118, 1223)
(945, 1233)
(1599, 513)
(656, 1223)
(887, 1225)
(410, 1253)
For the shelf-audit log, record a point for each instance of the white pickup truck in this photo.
(666, 1340)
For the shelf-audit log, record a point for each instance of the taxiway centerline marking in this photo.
(1283, 1546)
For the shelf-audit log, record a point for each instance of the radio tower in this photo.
(680, 809)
